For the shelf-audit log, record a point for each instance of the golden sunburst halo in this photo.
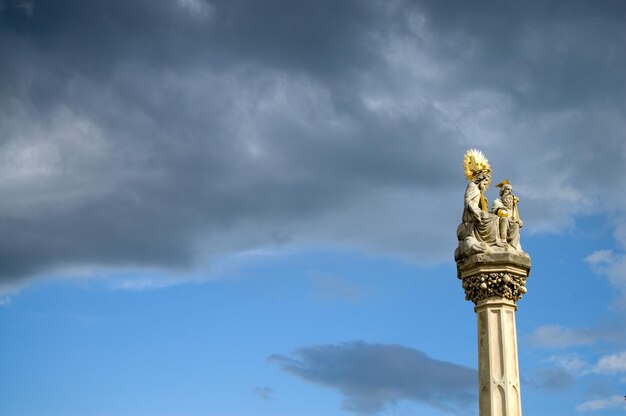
(475, 162)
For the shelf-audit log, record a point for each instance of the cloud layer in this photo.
(372, 377)
(137, 134)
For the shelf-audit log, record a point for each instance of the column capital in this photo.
(494, 276)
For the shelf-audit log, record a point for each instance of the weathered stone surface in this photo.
(495, 281)
(494, 274)
(493, 269)
(498, 372)
(486, 285)
(481, 230)
(516, 263)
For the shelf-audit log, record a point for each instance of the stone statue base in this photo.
(470, 246)
(497, 273)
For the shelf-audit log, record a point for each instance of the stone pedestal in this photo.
(495, 282)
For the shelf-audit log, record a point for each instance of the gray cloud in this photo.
(557, 336)
(610, 330)
(372, 377)
(615, 401)
(552, 379)
(135, 134)
(328, 288)
(264, 393)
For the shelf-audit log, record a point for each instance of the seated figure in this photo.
(479, 228)
(505, 207)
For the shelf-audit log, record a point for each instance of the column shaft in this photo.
(498, 372)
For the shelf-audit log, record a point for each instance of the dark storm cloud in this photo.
(152, 134)
(372, 377)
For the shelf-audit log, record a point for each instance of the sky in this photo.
(243, 208)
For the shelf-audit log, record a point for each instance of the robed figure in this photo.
(479, 228)
(505, 208)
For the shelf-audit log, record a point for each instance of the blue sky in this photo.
(249, 208)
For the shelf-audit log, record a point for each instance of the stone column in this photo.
(495, 282)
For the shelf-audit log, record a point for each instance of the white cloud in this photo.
(600, 258)
(129, 278)
(600, 404)
(138, 281)
(44, 164)
(557, 336)
(197, 8)
(613, 363)
(612, 265)
(570, 362)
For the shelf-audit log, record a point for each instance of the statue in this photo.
(481, 230)
(505, 207)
